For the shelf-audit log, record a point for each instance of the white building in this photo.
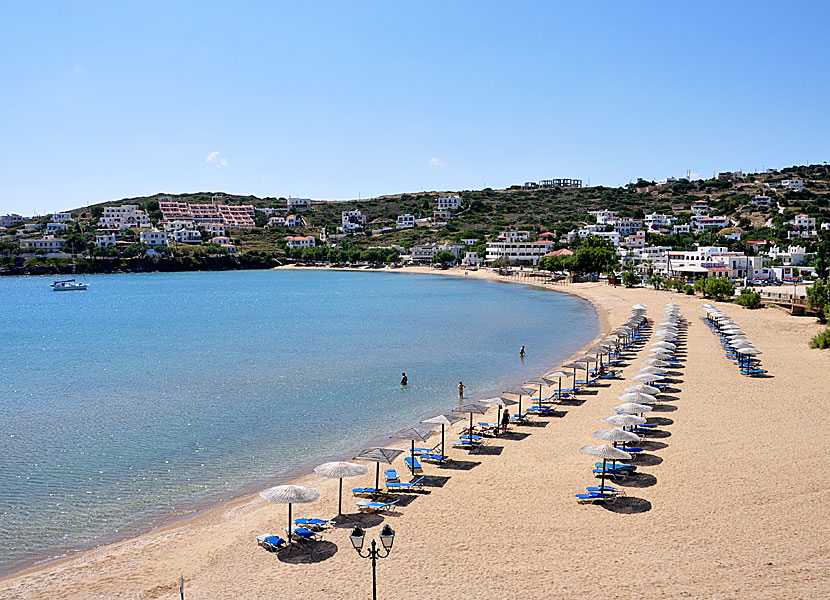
(703, 223)
(299, 204)
(215, 229)
(803, 227)
(102, 240)
(55, 227)
(469, 241)
(471, 259)
(449, 203)
(10, 220)
(47, 242)
(126, 216)
(153, 238)
(286, 221)
(795, 185)
(515, 252)
(225, 242)
(656, 221)
(352, 221)
(715, 261)
(300, 241)
(406, 221)
(635, 240)
(514, 236)
(423, 253)
(64, 217)
(760, 200)
(440, 217)
(795, 255)
(626, 225)
(700, 208)
(187, 236)
(603, 216)
(684, 228)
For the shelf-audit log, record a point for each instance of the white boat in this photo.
(69, 285)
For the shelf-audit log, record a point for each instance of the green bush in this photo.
(749, 299)
(818, 298)
(821, 340)
(630, 279)
(690, 291)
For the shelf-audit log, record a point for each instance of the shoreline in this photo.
(505, 523)
(301, 473)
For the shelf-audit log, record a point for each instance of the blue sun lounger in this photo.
(414, 464)
(367, 505)
(401, 485)
(270, 542)
(618, 467)
(366, 491)
(606, 490)
(439, 458)
(312, 523)
(391, 475)
(304, 534)
(592, 497)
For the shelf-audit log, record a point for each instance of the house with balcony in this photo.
(449, 203)
(793, 185)
(300, 241)
(102, 240)
(153, 238)
(10, 220)
(761, 200)
(299, 204)
(56, 227)
(62, 217)
(517, 252)
(514, 236)
(123, 217)
(406, 221)
(352, 221)
(48, 242)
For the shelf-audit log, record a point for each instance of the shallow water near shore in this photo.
(151, 395)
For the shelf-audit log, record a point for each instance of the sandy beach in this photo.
(731, 501)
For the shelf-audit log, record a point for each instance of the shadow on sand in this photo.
(628, 505)
(305, 553)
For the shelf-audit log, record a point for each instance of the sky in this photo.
(339, 100)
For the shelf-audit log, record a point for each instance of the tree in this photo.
(630, 279)
(444, 257)
(818, 299)
(749, 298)
(595, 255)
(718, 288)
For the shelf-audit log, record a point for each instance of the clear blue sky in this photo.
(329, 100)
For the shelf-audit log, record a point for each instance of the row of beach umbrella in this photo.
(733, 339)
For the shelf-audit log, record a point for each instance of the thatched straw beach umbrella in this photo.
(606, 453)
(442, 420)
(290, 494)
(473, 408)
(413, 433)
(339, 470)
(379, 455)
(519, 391)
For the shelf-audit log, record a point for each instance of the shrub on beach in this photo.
(821, 340)
(818, 298)
(630, 279)
(749, 298)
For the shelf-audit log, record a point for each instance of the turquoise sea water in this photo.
(151, 395)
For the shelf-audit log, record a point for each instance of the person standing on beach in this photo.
(505, 420)
(403, 379)
(461, 388)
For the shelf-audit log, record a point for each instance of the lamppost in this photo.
(387, 537)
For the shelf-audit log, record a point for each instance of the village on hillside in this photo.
(763, 227)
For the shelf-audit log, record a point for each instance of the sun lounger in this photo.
(418, 483)
(618, 467)
(439, 458)
(414, 464)
(595, 497)
(391, 475)
(270, 542)
(369, 506)
(466, 444)
(612, 473)
(316, 524)
(607, 489)
(366, 491)
(304, 534)
(475, 438)
(423, 450)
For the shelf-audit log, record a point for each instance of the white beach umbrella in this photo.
(647, 378)
(637, 397)
(643, 389)
(666, 345)
(661, 355)
(639, 307)
(559, 376)
(339, 470)
(290, 494)
(652, 370)
(540, 381)
(442, 420)
(499, 403)
(624, 420)
(606, 453)
(632, 408)
(655, 362)
(616, 435)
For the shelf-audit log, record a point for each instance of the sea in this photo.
(150, 396)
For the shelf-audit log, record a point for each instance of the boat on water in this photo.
(69, 285)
